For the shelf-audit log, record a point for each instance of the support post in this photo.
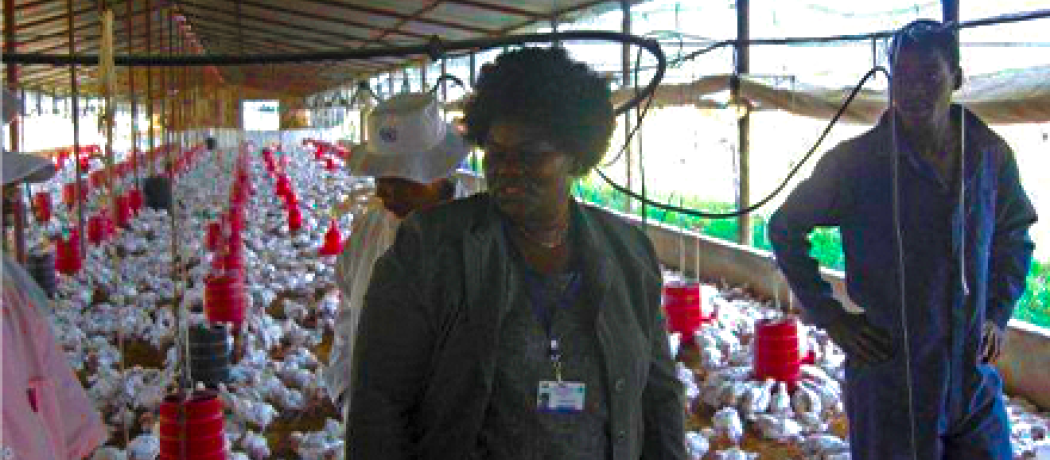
(625, 7)
(128, 24)
(12, 85)
(950, 11)
(75, 88)
(743, 66)
(149, 89)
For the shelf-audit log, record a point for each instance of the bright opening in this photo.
(262, 115)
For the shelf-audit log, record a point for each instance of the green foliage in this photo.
(1033, 307)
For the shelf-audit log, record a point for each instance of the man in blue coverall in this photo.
(919, 379)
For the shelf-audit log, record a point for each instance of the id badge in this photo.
(561, 397)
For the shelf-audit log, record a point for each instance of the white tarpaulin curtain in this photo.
(1011, 96)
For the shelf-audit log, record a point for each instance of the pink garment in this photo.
(47, 415)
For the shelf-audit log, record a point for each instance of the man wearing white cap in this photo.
(46, 412)
(412, 154)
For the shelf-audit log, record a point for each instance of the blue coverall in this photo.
(958, 405)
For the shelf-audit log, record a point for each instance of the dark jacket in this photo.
(977, 232)
(425, 352)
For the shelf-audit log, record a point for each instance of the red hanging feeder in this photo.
(96, 229)
(69, 196)
(67, 254)
(329, 164)
(42, 206)
(192, 427)
(291, 200)
(135, 200)
(213, 236)
(777, 354)
(295, 219)
(333, 241)
(684, 308)
(124, 211)
(97, 178)
(224, 299)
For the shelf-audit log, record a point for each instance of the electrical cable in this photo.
(775, 192)
(899, 242)
(443, 77)
(643, 113)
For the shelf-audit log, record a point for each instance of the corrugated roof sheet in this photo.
(267, 27)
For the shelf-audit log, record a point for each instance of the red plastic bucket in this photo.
(777, 351)
(224, 299)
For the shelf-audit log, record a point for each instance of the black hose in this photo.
(768, 198)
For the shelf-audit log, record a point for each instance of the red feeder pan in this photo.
(777, 351)
(224, 299)
(192, 427)
(683, 306)
(295, 218)
(42, 206)
(329, 164)
(333, 241)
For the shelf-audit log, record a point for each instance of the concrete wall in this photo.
(1025, 363)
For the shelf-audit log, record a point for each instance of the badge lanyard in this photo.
(545, 315)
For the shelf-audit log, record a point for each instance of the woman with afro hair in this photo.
(518, 324)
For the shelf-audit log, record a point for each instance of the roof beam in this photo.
(250, 17)
(396, 15)
(61, 18)
(498, 8)
(212, 22)
(556, 14)
(320, 17)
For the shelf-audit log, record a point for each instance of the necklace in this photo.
(554, 240)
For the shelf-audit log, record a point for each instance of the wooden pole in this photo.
(149, 88)
(12, 85)
(744, 234)
(75, 90)
(625, 7)
(107, 117)
(128, 23)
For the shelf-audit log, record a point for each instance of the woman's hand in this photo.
(992, 340)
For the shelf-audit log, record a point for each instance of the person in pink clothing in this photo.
(46, 414)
